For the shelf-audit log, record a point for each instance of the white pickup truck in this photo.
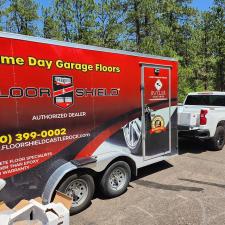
(202, 116)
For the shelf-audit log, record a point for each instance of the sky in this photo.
(202, 4)
(199, 4)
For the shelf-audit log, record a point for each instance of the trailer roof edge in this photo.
(82, 46)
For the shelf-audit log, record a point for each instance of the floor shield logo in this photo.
(63, 91)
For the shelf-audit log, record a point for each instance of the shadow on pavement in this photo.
(203, 182)
(153, 168)
(194, 146)
(168, 187)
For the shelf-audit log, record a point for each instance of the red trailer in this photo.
(75, 116)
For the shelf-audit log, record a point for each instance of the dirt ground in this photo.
(186, 189)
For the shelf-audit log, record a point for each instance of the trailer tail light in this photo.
(203, 119)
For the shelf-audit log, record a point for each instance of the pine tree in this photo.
(2, 12)
(64, 17)
(22, 16)
(218, 44)
(84, 19)
(147, 27)
(109, 23)
(50, 25)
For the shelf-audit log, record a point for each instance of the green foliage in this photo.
(22, 15)
(83, 21)
(50, 25)
(109, 23)
(158, 27)
(218, 44)
(64, 17)
(2, 12)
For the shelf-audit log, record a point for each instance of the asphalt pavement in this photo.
(188, 189)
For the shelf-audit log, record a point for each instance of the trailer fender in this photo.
(104, 160)
(54, 180)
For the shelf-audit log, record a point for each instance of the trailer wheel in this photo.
(115, 179)
(81, 189)
(218, 141)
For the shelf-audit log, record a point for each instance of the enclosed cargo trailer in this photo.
(73, 114)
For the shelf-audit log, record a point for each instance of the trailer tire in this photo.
(115, 179)
(81, 188)
(218, 141)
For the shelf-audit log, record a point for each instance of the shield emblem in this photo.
(63, 91)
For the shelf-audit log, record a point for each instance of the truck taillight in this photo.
(203, 119)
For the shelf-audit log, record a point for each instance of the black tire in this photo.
(218, 141)
(124, 173)
(88, 181)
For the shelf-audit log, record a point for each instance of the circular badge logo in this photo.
(157, 125)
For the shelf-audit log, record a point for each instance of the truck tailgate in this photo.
(189, 119)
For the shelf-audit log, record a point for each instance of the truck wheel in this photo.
(115, 179)
(132, 136)
(218, 140)
(81, 189)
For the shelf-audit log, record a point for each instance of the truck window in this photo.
(210, 100)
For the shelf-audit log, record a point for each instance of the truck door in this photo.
(156, 102)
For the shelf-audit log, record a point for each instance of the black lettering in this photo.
(44, 91)
(16, 92)
(31, 92)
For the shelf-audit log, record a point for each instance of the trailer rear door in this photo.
(156, 102)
